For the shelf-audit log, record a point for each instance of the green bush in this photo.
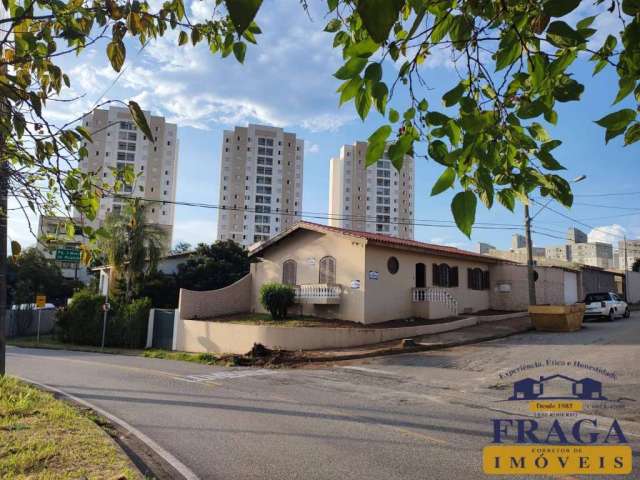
(277, 298)
(81, 322)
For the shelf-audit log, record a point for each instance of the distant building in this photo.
(376, 199)
(55, 244)
(518, 251)
(632, 250)
(484, 248)
(260, 183)
(117, 144)
(575, 235)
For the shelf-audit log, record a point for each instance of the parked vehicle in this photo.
(608, 305)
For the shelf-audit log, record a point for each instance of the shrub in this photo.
(81, 321)
(277, 298)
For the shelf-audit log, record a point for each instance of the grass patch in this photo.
(45, 438)
(203, 358)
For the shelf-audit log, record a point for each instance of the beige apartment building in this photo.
(632, 250)
(579, 250)
(117, 143)
(377, 199)
(261, 171)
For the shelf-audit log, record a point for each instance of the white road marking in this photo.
(369, 370)
(185, 471)
(226, 375)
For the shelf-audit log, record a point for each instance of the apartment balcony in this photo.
(318, 294)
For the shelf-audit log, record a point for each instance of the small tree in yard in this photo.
(277, 298)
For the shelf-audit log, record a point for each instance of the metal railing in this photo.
(435, 294)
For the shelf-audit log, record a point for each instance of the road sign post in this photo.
(105, 309)
(41, 302)
(71, 255)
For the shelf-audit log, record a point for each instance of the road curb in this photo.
(418, 348)
(167, 457)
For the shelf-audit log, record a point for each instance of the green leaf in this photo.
(380, 93)
(333, 26)
(239, 51)
(332, 4)
(568, 90)
(463, 207)
(460, 31)
(507, 199)
(116, 54)
(373, 72)
(349, 89)
(436, 118)
(242, 13)
(363, 103)
(363, 49)
(445, 181)
(454, 95)
(442, 26)
(140, 120)
(377, 144)
(548, 161)
(84, 132)
(510, 50)
(633, 134)
(394, 116)
(531, 109)
(562, 35)
(378, 16)
(631, 7)
(617, 120)
(350, 69)
(183, 38)
(626, 85)
(438, 151)
(559, 8)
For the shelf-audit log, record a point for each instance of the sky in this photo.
(287, 81)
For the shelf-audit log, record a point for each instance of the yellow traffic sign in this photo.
(41, 301)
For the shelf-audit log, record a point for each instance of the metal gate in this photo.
(163, 328)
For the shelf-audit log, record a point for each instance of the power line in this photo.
(606, 194)
(636, 209)
(579, 222)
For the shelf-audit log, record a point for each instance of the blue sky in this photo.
(287, 81)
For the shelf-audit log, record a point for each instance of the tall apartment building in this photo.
(374, 199)
(117, 143)
(579, 250)
(261, 171)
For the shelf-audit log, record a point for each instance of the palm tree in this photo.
(132, 246)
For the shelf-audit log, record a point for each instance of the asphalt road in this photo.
(422, 416)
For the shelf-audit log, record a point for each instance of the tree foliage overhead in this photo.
(514, 60)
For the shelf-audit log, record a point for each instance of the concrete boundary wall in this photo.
(235, 298)
(225, 337)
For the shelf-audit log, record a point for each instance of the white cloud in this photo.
(608, 234)
(195, 231)
(311, 148)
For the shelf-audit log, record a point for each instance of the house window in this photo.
(289, 269)
(477, 279)
(421, 275)
(393, 265)
(444, 275)
(327, 270)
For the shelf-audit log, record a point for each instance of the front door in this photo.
(421, 275)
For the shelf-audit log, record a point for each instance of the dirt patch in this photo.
(303, 321)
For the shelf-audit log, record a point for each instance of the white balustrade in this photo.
(435, 294)
(318, 291)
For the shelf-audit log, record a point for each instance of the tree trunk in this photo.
(4, 183)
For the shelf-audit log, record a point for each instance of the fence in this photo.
(23, 323)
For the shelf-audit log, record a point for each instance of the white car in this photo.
(608, 305)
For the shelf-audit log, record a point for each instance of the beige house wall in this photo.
(389, 297)
(306, 248)
(510, 291)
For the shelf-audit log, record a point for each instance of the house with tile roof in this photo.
(370, 277)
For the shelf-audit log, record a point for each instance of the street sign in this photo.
(41, 301)
(68, 255)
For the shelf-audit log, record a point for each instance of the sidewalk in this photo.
(477, 333)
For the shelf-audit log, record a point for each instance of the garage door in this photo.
(570, 288)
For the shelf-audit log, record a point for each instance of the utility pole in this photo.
(530, 272)
(626, 269)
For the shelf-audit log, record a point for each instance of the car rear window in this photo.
(596, 297)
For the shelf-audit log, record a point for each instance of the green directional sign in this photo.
(68, 255)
